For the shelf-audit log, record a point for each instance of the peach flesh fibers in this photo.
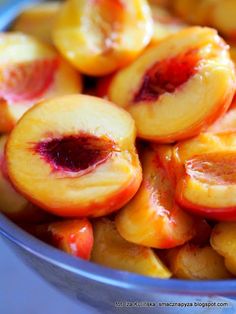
(27, 81)
(213, 168)
(75, 153)
(166, 76)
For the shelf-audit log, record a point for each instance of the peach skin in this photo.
(206, 175)
(197, 263)
(12, 204)
(152, 218)
(178, 87)
(30, 71)
(80, 151)
(100, 36)
(38, 20)
(75, 236)
(111, 250)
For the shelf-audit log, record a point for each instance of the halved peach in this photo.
(152, 218)
(75, 236)
(30, 71)
(177, 88)
(192, 262)
(165, 23)
(75, 156)
(111, 250)
(211, 197)
(223, 240)
(100, 36)
(12, 203)
(38, 20)
(207, 179)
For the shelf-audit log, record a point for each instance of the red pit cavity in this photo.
(80, 153)
(213, 169)
(166, 76)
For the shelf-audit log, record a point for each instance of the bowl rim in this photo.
(108, 276)
(89, 270)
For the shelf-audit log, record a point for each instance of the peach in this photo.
(75, 236)
(100, 36)
(165, 23)
(195, 263)
(178, 87)
(111, 250)
(38, 20)
(152, 218)
(206, 184)
(223, 241)
(12, 203)
(80, 152)
(30, 71)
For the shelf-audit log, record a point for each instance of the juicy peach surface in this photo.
(81, 154)
(38, 20)
(152, 218)
(177, 88)
(111, 250)
(100, 36)
(30, 71)
(196, 263)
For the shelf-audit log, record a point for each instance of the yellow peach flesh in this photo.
(111, 250)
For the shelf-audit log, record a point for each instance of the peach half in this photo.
(30, 71)
(178, 87)
(75, 156)
(207, 175)
(111, 250)
(197, 263)
(152, 218)
(38, 20)
(100, 36)
(12, 204)
(74, 236)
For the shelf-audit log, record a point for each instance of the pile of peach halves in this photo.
(119, 132)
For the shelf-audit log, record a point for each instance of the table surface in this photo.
(22, 291)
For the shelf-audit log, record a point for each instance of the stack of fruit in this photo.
(90, 87)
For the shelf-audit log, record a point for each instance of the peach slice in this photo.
(165, 23)
(80, 152)
(223, 241)
(111, 250)
(192, 262)
(12, 203)
(100, 36)
(38, 20)
(30, 71)
(207, 174)
(177, 88)
(75, 237)
(152, 218)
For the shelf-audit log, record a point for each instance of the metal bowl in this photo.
(108, 290)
